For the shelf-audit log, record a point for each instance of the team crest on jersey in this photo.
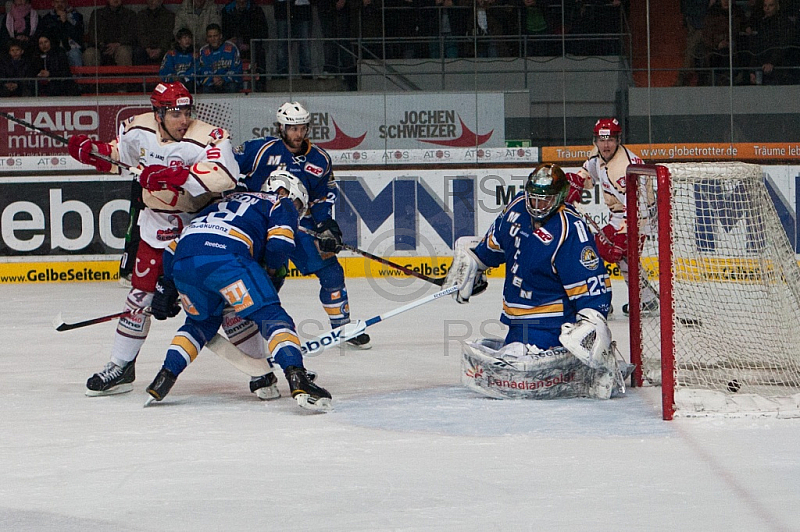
(238, 150)
(622, 183)
(237, 296)
(313, 169)
(543, 235)
(216, 133)
(589, 258)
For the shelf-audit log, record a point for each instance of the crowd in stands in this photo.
(206, 45)
(759, 39)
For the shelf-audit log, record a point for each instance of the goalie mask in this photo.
(295, 189)
(292, 114)
(545, 191)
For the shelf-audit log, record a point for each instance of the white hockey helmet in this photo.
(281, 179)
(293, 114)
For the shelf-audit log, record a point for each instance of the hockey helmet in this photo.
(296, 190)
(545, 190)
(293, 114)
(171, 96)
(607, 127)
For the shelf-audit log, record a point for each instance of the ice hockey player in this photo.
(555, 299)
(232, 255)
(184, 164)
(294, 152)
(606, 166)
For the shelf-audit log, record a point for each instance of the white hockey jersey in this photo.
(205, 149)
(611, 177)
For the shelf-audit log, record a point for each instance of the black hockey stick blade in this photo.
(61, 326)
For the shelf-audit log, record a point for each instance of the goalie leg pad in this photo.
(551, 374)
(466, 271)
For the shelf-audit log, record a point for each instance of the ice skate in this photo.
(307, 394)
(161, 385)
(649, 308)
(112, 380)
(265, 387)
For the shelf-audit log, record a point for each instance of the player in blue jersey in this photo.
(293, 152)
(557, 291)
(231, 255)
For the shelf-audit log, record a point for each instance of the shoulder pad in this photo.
(204, 133)
(142, 121)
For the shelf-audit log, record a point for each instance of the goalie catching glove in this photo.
(330, 236)
(84, 149)
(159, 177)
(165, 301)
(467, 270)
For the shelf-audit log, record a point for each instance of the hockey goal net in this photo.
(724, 336)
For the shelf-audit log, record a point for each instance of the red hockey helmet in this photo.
(171, 96)
(607, 127)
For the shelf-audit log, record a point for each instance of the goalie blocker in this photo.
(586, 367)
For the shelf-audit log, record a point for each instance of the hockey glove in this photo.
(611, 245)
(158, 177)
(330, 236)
(84, 149)
(165, 302)
(576, 183)
(278, 277)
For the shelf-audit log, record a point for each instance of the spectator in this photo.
(294, 16)
(154, 28)
(694, 18)
(51, 66)
(453, 23)
(65, 25)
(533, 15)
(21, 21)
(180, 63)
(720, 42)
(14, 68)
(770, 36)
(196, 15)
(242, 22)
(489, 21)
(112, 36)
(402, 25)
(334, 19)
(219, 66)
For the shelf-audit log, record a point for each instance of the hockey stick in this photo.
(60, 325)
(65, 140)
(438, 281)
(316, 345)
(223, 348)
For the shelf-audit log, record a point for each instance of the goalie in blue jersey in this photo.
(556, 297)
(234, 254)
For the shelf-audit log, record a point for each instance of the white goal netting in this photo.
(731, 306)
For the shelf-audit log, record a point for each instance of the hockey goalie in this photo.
(556, 297)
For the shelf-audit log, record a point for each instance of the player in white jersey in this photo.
(184, 164)
(606, 166)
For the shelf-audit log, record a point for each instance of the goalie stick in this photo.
(60, 325)
(65, 140)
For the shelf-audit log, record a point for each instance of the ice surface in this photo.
(407, 448)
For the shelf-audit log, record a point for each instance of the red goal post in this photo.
(706, 239)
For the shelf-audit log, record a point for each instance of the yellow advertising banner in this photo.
(686, 151)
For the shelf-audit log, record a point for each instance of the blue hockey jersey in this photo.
(551, 272)
(257, 158)
(224, 62)
(244, 223)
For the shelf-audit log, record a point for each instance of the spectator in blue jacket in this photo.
(179, 64)
(220, 66)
